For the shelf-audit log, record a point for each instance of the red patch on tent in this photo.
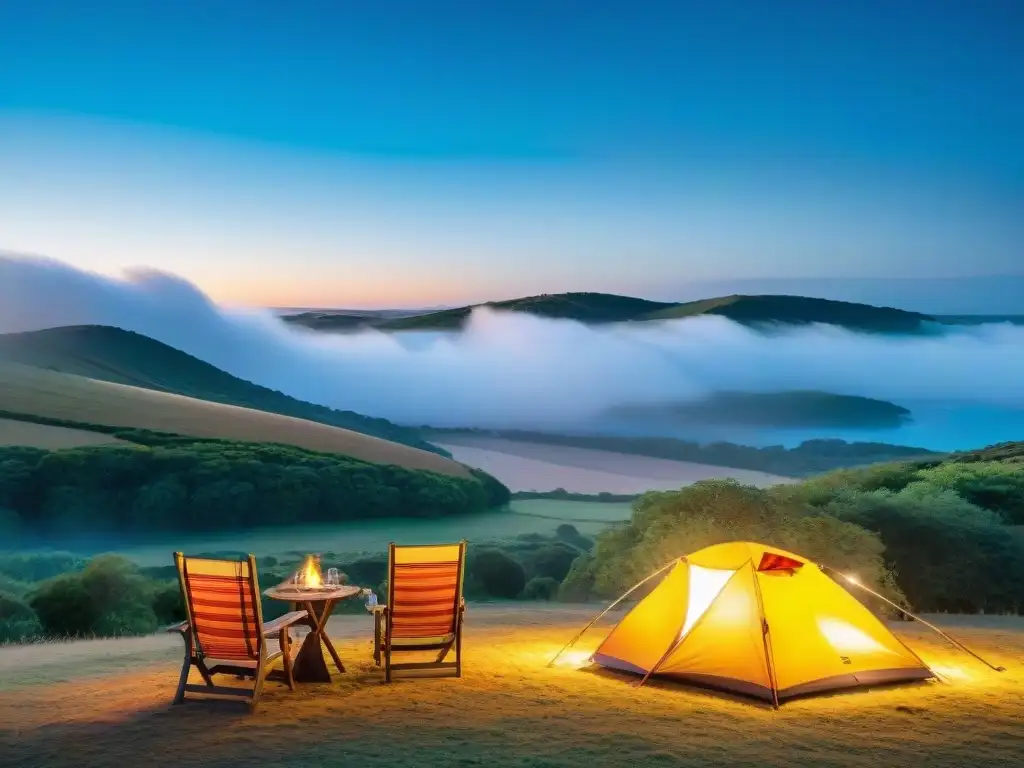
(773, 562)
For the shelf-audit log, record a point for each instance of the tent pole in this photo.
(900, 608)
(769, 657)
(622, 597)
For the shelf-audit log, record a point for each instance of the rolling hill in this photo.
(603, 308)
(123, 357)
(34, 392)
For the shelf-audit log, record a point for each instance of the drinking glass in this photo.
(332, 576)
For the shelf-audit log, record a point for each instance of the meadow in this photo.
(359, 537)
(93, 703)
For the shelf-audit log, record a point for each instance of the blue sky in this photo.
(355, 153)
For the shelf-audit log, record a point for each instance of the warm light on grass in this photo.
(951, 672)
(573, 659)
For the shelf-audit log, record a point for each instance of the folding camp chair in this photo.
(425, 607)
(224, 632)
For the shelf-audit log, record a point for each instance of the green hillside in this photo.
(773, 410)
(124, 357)
(800, 310)
(329, 322)
(599, 308)
(591, 308)
(159, 482)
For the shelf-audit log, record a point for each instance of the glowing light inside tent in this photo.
(847, 638)
(705, 585)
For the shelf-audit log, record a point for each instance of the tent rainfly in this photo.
(758, 621)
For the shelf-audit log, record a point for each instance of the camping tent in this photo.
(756, 620)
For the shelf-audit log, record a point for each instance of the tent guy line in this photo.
(914, 616)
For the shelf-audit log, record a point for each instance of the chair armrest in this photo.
(272, 627)
(181, 626)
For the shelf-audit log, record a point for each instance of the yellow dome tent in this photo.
(759, 621)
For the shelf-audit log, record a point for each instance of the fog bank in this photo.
(514, 370)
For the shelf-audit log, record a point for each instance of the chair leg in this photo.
(179, 696)
(257, 691)
(376, 637)
(387, 664)
(458, 650)
(286, 652)
(201, 666)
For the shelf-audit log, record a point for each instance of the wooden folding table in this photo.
(310, 665)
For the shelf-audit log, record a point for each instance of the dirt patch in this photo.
(108, 703)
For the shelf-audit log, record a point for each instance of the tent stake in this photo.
(624, 595)
(900, 608)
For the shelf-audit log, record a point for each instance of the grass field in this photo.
(63, 396)
(98, 703)
(535, 516)
(53, 438)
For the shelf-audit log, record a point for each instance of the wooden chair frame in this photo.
(258, 669)
(383, 620)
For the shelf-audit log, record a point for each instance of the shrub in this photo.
(570, 535)
(64, 606)
(540, 588)
(109, 597)
(670, 524)
(948, 554)
(168, 604)
(990, 484)
(497, 574)
(18, 622)
(552, 561)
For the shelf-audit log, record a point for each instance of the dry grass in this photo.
(52, 438)
(525, 466)
(107, 703)
(63, 396)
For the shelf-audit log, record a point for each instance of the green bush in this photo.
(552, 561)
(108, 598)
(992, 485)
(948, 554)
(497, 574)
(570, 535)
(540, 588)
(64, 606)
(670, 524)
(18, 622)
(168, 603)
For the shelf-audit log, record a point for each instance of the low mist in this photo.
(514, 370)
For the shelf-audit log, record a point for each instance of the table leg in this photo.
(376, 637)
(310, 665)
(328, 608)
